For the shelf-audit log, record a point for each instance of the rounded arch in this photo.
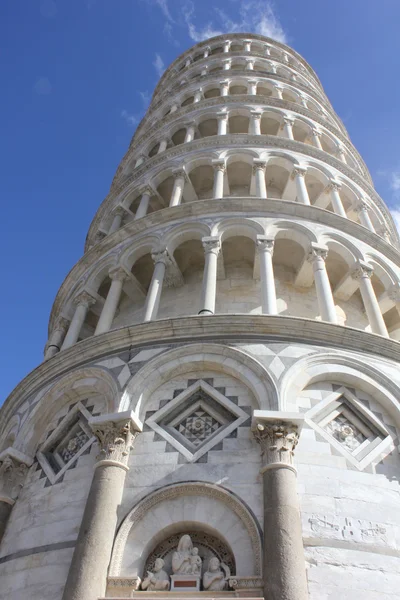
(237, 227)
(137, 250)
(217, 357)
(216, 502)
(76, 385)
(183, 233)
(345, 370)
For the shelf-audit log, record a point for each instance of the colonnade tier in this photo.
(216, 175)
(214, 92)
(283, 268)
(244, 118)
(182, 93)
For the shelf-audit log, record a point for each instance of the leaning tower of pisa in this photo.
(217, 412)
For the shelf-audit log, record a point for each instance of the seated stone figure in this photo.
(181, 558)
(157, 581)
(214, 580)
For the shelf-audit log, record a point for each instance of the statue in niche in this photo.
(181, 558)
(157, 581)
(214, 580)
(195, 562)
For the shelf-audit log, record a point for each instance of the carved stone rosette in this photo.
(116, 439)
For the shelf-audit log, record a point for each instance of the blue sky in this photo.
(76, 78)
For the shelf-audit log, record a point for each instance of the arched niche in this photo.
(192, 506)
(203, 356)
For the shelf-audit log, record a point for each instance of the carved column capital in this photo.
(118, 211)
(117, 274)
(316, 132)
(298, 172)
(317, 252)
(179, 174)
(222, 115)
(219, 165)
(146, 189)
(13, 470)
(256, 115)
(362, 207)
(277, 433)
(362, 271)
(211, 245)
(62, 324)
(259, 165)
(265, 244)
(160, 256)
(84, 299)
(115, 434)
(287, 121)
(334, 186)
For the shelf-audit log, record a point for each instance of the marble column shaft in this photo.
(301, 188)
(154, 294)
(284, 571)
(82, 302)
(265, 248)
(56, 339)
(117, 276)
(177, 191)
(219, 173)
(363, 274)
(87, 577)
(211, 247)
(326, 304)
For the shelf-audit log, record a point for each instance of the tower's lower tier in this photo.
(197, 398)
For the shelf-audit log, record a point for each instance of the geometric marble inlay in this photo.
(197, 419)
(350, 427)
(71, 438)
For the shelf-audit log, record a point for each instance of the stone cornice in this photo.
(266, 142)
(244, 100)
(229, 327)
(251, 207)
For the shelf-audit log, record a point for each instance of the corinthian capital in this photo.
(211, 245)
(116, 434)
(84, 299)
(13, 469)
(277, 433)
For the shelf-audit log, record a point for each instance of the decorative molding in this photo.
(227, 327)
(116, 434)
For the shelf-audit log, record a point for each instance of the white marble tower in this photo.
(222, 366)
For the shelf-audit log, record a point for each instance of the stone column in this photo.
(259, 167)
(255, 122)
(222, 122)
(57, 337)
(207, 51)
(265, 247)
(163, 146)
(227, 64)
(287, 127)
(278, 91)
(252, 87)
(198, 95)
(274, 68)
(174, 108)
(316, 138)
(190, 132)
(363, 215)
(211, 247)
(204, 71)
(87, 577)
(82, 303)
(177, 190)
(341, 153)
(117, 220)
(317, 256)
(161, 260)
(13, 469)
(284, 570)
(363, 274)
(298, 174)
(117, 276)
(224, 87)
(250, 64)
(293, 77)
(188, 62)
(219, 173)
(247, 45)
(336, 200)
(303, 101)
(140, 160)
(227, 46)
(143, 207)
(267, 50)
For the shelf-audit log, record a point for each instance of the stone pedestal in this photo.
(185, 583)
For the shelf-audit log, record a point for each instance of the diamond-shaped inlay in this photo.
(350, 427)
(197, 419)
